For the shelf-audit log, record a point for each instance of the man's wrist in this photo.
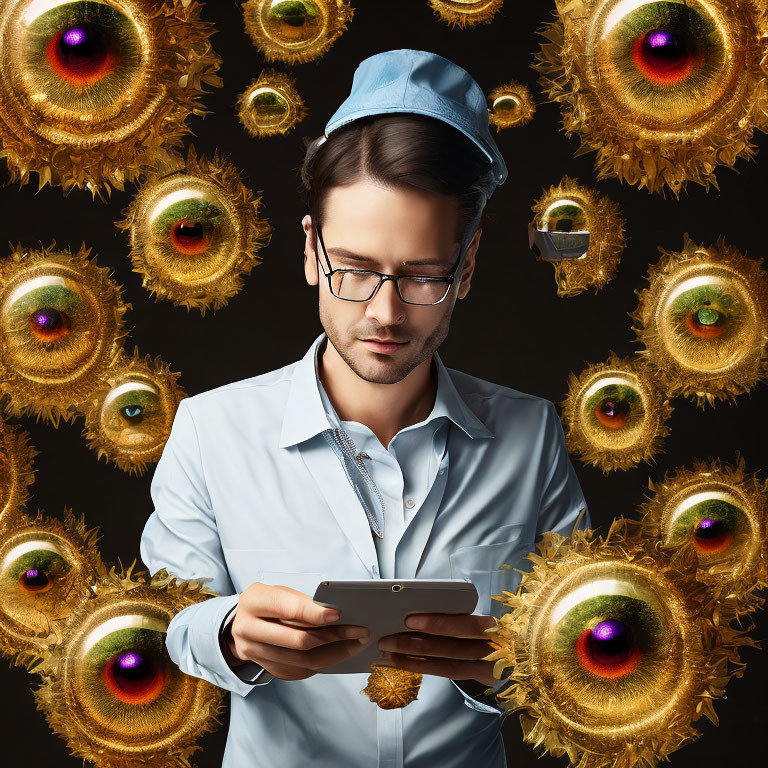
(226, 646)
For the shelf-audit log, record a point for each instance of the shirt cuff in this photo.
(192, 640)
(250, 672)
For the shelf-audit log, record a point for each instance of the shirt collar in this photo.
(305, 415)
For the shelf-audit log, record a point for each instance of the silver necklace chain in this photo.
(344, 447)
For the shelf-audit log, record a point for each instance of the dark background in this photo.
(511, 329)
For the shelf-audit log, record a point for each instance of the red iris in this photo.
(190, 237)
(611, 413)
(134, 677)
(608, 650)
(80, 55)
(49, 324)
(711, 537)
(35, 580)
(663, 56)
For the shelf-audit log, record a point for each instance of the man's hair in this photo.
(402, 150)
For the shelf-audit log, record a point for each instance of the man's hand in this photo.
(283, 630)
(446, 645)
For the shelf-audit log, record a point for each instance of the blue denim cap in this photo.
(421, 82)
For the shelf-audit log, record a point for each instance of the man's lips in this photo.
(383, 346)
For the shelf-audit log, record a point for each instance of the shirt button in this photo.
(409, 503)
(441, 471)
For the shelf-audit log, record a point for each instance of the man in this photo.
(366, 459)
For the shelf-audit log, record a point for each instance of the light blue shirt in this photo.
(248, 489)
(404, 472)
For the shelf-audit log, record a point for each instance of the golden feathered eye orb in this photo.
(721, 512)
(511, 105)
(663, 90)
(89, 86)
(61, 324)
(16, 471)
(194, 230)
(129, 416)
(466, 13)
(270, 105)
(703, 321)
(614, 650)
(47, 568)
(113, 693)
(615, 414)
(391, 687)
(581, 233)
(295, 31)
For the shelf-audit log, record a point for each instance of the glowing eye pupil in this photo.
(608, 407)
(610, 641)
(49, 324)
(82, 50)
(131, 669)
(34, 578)
(129, 661)
(664, 50)
(47, 318)
(709, 528)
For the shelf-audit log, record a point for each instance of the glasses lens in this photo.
(419, 291)
(355, 286)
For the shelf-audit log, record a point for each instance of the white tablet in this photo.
(383, 604)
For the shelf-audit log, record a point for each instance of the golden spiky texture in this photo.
(721, 512)
(128, 417)
(626, 706)
(153, 716)
(270, 105)
(607, 238)
(659, 124)
(49, 566)
(194, 230)
(511, 105)
(16, 470)
(392, 688)
(61, 324)
(466, 13)
(703, 321)
(615, 414)
(94, 135)
(295, 31)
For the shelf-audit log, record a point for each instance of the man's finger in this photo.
(313, 659)
(305, 637)
(288, 604)
(453, 625)
(437, 646)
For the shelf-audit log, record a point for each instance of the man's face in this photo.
(368, 226)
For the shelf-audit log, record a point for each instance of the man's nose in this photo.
(386, 305)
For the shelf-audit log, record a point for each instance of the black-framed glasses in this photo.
(362, 284)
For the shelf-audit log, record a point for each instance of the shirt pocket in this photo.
(270, 566)
(481, 564)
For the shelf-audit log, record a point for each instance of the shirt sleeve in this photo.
(562, 499)
(181, 536)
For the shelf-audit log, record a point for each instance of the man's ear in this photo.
(310, 262)
(468, 267)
